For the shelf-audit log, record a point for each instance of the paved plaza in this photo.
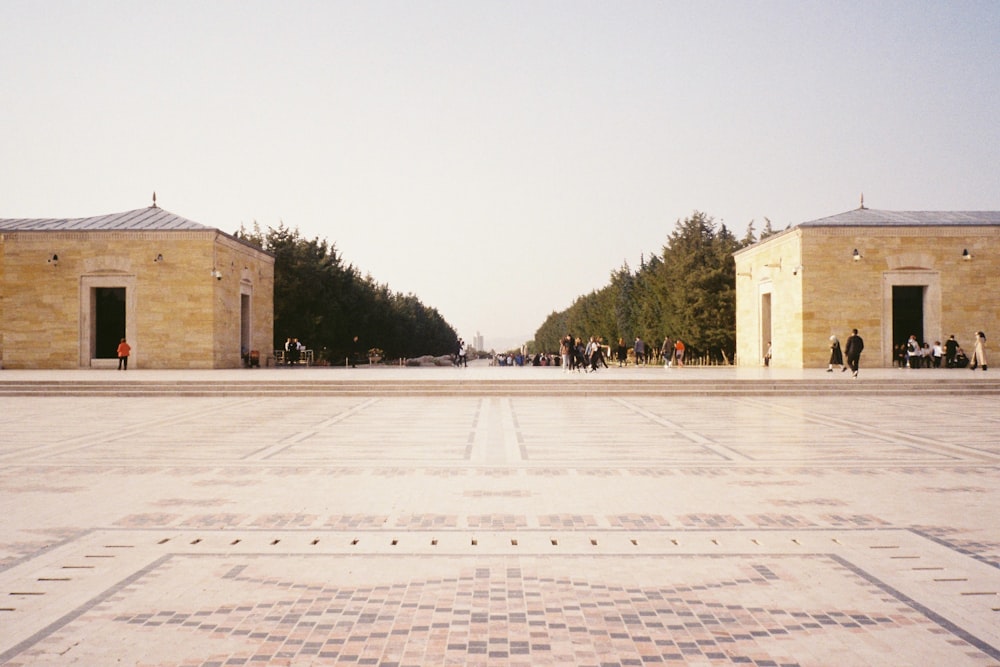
(499, 516)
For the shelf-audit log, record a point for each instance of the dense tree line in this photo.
(686, 291)
(325, 303)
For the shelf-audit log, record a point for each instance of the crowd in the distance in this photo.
(577, 355)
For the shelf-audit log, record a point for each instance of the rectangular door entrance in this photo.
(765, 323)
(109, 321)
(907, 313)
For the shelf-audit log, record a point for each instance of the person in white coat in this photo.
(979, 353)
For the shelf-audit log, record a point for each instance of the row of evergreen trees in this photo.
(687, 291)
(326, 304)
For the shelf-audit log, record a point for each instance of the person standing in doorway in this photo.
(979, 352)
(124, 350)
(855, 344)
(913, 359)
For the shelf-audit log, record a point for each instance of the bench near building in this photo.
(184, 295)
(889, 274)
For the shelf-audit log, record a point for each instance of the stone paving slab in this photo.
(499, 530)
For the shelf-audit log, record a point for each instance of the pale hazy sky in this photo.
(497, 159)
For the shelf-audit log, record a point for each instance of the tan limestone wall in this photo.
(3, 296)
(243, 270)
(172, 305)
(41, 303)
(770, 267)
(831, 293)
(961, 296)
(839, 294)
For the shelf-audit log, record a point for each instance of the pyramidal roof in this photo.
(152, 218)
(867, 217)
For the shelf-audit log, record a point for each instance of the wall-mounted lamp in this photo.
(158, 258)
(966, 256)
(857, 255)
(216, 274)
(797, 270)
(54, 260)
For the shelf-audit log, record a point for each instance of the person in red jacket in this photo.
(123, 351)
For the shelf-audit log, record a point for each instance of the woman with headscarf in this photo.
(836, 356)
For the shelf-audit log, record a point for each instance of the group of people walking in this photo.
(577, 356)
(853, 348)
(670, 352)
(588, 356)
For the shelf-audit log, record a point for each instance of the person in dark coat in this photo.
(950, 351)
(855, 344)
(836, 356)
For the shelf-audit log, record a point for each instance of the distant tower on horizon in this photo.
(477, 342)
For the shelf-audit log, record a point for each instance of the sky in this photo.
(497, 159)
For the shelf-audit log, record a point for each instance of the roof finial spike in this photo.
(154, 199)
(862, 201)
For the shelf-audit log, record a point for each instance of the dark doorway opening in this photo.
(109, 321)
(765, 323)
(907, 313)
(244, 323)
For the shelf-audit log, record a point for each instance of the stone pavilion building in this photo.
(184, 295)
(889, 274)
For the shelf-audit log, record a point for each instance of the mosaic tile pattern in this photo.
(500, 531)
(513, 610)
(505, 521)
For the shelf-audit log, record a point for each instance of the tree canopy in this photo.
(326, 303)
(686, 291)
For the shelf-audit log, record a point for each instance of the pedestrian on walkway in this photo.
(604, 356)
(679, 353)
(564, 352)
(836, 356)
(979, 352)
(855, 344)
(667, 352)
(594, 353)
(640, 351)
(622, 353)
(124, 349)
